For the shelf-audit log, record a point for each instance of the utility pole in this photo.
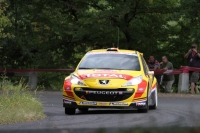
(117, 37)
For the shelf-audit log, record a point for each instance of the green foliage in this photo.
(4, 22)
(51, 81)
(17, 104)
(55, 34)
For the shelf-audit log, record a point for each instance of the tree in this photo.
(57, 33)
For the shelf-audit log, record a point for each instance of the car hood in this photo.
(116, 78)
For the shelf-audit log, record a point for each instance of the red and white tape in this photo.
(183, 69)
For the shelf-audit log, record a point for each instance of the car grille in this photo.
(103, 95)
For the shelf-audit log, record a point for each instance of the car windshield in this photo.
(111, 61)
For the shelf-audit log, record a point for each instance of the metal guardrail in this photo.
(36, 70)
(183, 69)
(33, 73)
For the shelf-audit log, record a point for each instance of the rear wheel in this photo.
(70, 111)
(84, 110)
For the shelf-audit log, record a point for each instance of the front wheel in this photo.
(154, 97)
(70, 111)
(144, 110)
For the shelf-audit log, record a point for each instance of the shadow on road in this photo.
(104, 111)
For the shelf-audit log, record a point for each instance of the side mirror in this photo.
(150, 72)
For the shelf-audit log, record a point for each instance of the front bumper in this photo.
(92, 104)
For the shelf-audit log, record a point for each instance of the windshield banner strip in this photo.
(126, 53)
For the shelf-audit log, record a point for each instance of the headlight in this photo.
(134, 81)
(75, 80)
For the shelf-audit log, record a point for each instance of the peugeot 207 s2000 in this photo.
(110, 78)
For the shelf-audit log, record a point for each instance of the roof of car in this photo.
(116, 50)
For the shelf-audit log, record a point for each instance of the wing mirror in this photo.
(150, 72)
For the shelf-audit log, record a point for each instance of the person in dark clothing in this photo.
(193, 57)
(153, 65)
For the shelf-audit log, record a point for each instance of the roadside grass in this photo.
(17, 103)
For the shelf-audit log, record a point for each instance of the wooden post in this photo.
(32, 81)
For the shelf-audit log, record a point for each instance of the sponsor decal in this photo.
(88, 103)
(141, 104)
(67, 102)
(102, 103)
(118, 104)
(106, 75)
(105, 92)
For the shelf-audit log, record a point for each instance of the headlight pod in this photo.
(134, 81)
(76, 81)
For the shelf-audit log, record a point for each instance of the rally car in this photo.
(110, 78)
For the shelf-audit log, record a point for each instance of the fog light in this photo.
(129, 89)
(78, 89)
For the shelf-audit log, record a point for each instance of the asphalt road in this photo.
(173, 110)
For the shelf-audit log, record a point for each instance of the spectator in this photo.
(153, 65)
(168, 80)
(193, 57)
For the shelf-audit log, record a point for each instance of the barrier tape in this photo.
(167, 72)
(36, 70)
(183, 69)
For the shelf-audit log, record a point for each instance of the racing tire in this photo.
(70, 111)
(155, 99)
(144, 110)
(84, 110)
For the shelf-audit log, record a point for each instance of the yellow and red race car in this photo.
(110, 78)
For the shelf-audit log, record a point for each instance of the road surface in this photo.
(181, 110)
